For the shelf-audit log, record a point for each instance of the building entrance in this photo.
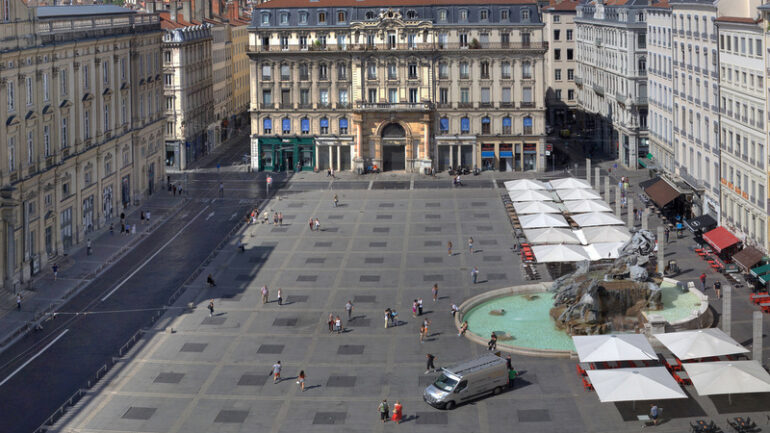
(393, 157)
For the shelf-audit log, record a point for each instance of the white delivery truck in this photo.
(466, 381)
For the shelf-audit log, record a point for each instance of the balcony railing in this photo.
(527, 104)
(393, 106)
(434, 46)
(69, 25)
(599, 90)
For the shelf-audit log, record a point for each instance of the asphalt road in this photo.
(45, 368)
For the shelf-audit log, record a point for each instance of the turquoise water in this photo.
(529, 323)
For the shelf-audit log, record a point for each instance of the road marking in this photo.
(233, 215)
(371, 183)
(21, 367)
(153, 256)
(210, 215)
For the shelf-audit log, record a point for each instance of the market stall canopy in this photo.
(702, 223)
(530, 195)
(700, 343)
(594, 219)
(542, 220)
(578, 194)
(720, 239)
(583, 206)
(728, 377)
(530, 207)
(606, 234)
(661, 193)
(761, 270)
(649, 182)
(569, 183)
(632, 384)
(604, 250)
(613, 347)
(559, 253)
(551, 235)
(748, 257)
(523, 185)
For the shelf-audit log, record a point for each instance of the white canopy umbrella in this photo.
(530, 207)
(700, 343)
(542, 220)
(632, 384)
(523, 184)
(613, 347)
(583, 206)
(530, 195)
(569, 183)
(593, 219)
(604, 250)
(551, 235)
(559, 253)
(578, 194)
(606, 234)
(728, 377)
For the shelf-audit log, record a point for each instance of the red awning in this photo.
(720, 239)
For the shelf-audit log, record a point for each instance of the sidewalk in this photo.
(44, 294)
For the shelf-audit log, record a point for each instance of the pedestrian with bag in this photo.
(384, 411)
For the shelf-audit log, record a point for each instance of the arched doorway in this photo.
(393, 147)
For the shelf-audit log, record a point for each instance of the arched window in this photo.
(485, 125)
(286, 125)
(526, 69)
(305, 125)
(411, 14)
(642, 64)
(267, 126)
(527, 125)
(343, 126)
(465, 125)
(370, 15)
(341, 17)
(507, 125)
(443, 125)
(324, 124)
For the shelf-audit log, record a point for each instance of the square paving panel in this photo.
(252, 380)
(378, 244)
(289, 217)
(365, 299)
(213, 321)
(335, 217)
(296, 205)
(432, 204)
(331, 229)
(269, 244)
(433, 277)
(434, 229)
(322, 244)
(231, 416)
(488, 242)
(493, 258)
(384, 217)
(386, 205)
(369, 279)
(243, 277)
(374, 260)
(478, 204)
(534, 415)
(296, 299)
(432, 243)
(193, 347)
(433, 260)
(426, 380)
(432, 418)
(381, 230)
(270, 349)
(484, 228)
(139, 413)
(315, 260)
(358, 322)
(256, 259)
(496, 277)
(279, 230)
(341, 381)
(285, 321)
(231, 296)
(481, 215)
(350, 349)
(307, 278)
(329, 418)
(169, 378)
(432, 216)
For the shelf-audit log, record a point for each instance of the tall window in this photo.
(525, 14)
(304, 125)
(11, 87)
(443, 125)
(528, 125)
(28, 82)
(506, 125)
(465, 125)
(30, 148)
(526, 70)
(485, 69)
(267, 125)
(86, 124)
(106, 117)
(324, 125)
(64, 140)
(123, 114)
(323, 71)
(485, 125)
(464, 70)
(86, 81)
(47, 141)
(443, 70)
(286, 125)
(11, 154)
(63, 82)
(505, 70)
(304, 71)
(343, 126)
(46, 90)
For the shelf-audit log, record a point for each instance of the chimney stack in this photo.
(187, 11)
(232, 11)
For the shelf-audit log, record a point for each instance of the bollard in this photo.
(597, 179)
(727, 309)
(607, 189)
(588, 170)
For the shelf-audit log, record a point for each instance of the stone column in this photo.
(727, 309)
(756, 344)
(661, 254)
(645, 216)
(607, 189)
(630, 213)
(588, 170)
(617, 201)
(597, 179)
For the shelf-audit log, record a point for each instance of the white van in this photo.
(469, 380)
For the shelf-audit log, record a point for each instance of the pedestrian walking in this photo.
(387, 317)
(133, 229)
(275, 219)
(18, 301)
(394, 317)
(654, 413)
(317, 225)
(703, 280)
(349, 309)
(55, 269)
(330, 322)
(301, 380)
(89, 251)
(667, 233)
(147, 217)
(429, 364)
(718, 289)
(336, 200)
(112, 229)
(475, 274)
(210, 281)
(280, 219)
(280, 297)
(265, 294)
(492, 343)
(422, 334)
(398, 410)
(419, 306)
(276, 372)
(384, 410)
(174, 189)
(470, 245)
(454, 310)
(311, 224)
(221, 190)
(414, 308)
(141, 217)
(434, 292)
(211, 308)
(449, 247)
(338, 324)
(463, 328)
(426, 325)
(122, 227)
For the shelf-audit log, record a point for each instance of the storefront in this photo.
(456, 152)
(507, 162)
(488, 159)
(530, 156)
(333, 153)
(286, 154)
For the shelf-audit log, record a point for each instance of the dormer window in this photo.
(504, 15)
(463, 15)
(442, 15)
(340, 17)
(321, 17)
(370, 15)
(265, 19)
(525, 14)
(483, 15)
(284, 18)
(411, 14)
(303, 17)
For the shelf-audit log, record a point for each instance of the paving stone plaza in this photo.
(380, 248)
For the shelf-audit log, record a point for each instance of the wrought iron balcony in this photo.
(393, 106)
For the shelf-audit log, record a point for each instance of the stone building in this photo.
(561, 63)
(612, 76)
(80, 89)
(405, 86)
(660, 88)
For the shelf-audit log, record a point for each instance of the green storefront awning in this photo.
(764, 278)
(761, 270)
(287, 141)
(642, 162)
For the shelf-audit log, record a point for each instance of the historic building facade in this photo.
(612, 76)
(349, 86)
(659, 73)
(80, 89)
(561, 93)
